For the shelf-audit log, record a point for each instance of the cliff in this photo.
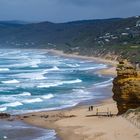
(126, 87)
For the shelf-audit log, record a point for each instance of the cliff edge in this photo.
(126, 87)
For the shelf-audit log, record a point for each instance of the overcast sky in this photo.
(66, 10)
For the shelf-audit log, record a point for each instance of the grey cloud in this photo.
(66, 10)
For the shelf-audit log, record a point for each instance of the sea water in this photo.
(36, 80)
(33, 80)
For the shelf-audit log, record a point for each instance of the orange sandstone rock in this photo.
(126, 87)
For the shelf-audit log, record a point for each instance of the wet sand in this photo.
(17, 130)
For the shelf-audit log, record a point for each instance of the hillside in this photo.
(105, 38)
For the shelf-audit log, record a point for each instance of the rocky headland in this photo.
(126, 86)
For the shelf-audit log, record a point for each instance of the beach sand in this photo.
(75, 55)
(80, 124)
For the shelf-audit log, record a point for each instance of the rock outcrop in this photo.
(4, 115)
(126, 87)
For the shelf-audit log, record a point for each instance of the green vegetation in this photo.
(105, 38)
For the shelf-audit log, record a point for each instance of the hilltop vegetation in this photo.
(107, 38)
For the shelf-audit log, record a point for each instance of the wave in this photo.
(34, 63)
(45, 109)
(4, 69)
(13, 97)
(7, 98)
(105, 83)
(73, 65)
(100, 66)
(32, 76)
(10, 53)
(3, 109)
(14, 81)
(36, 100)
(80, 91)
(72, 81)
(24, 94)
(48, 135)
(55, 68)
(14, 104)
(48, 85)
(49, 96)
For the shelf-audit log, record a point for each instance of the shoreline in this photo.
(77, 123)
(110, 71)
(75, 55)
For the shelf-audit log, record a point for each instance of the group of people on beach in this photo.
(90, 108)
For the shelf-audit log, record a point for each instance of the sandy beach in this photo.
(81, 124)
(75, 55)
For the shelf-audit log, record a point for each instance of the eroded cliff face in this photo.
(126, 87)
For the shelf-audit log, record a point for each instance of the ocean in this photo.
(36, 80)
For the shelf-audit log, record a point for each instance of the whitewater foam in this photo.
(55, 68)
(46, 109)
(58, 83)
(100, 66)
(36, 100)
(50, 135)
(32, 76)
(3, 109)
(104, 84)
(4, 69)
(49, 96)
(14, 81)
(73, 65)
(34, 63)
(14, 104)
(24, 94)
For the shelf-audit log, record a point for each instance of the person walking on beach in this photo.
(91, 108)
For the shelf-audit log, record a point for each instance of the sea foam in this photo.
(55, 68)
(36, 100)
(59, 83)
(104, 84)
(49, 96)
(4, 69)
(14, 81)
(32, 75)
(13, 104)
(100, 66)
(3, 109)
(24, 94)
(73, 65)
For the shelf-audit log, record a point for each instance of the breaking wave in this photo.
(14, 81)
(59, 83)
(36, 100)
